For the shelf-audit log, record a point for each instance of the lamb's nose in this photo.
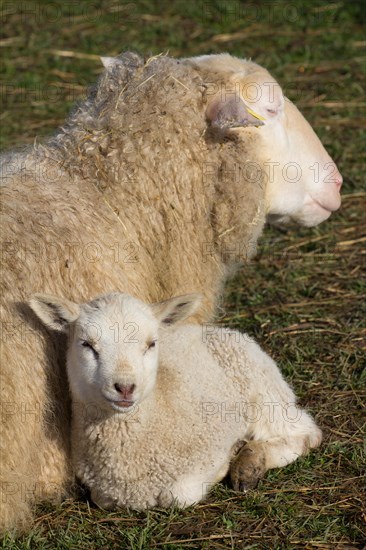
(126, 392)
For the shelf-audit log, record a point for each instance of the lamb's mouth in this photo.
(122, 404)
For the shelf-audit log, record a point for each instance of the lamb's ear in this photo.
(176, 309)
(56, 313)
(231, 112)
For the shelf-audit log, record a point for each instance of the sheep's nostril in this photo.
(338, 180)
(125, 391)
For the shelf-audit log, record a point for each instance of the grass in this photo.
(303, 297)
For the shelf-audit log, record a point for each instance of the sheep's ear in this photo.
(176, 309)
(232, 113)
(56, 313)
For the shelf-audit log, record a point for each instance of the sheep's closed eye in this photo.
(87, 344)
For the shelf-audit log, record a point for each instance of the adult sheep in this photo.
(158, 414)
(158, 184)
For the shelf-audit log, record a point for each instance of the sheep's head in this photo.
(302, 181)
(113, 343)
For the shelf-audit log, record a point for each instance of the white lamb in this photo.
(160, 409)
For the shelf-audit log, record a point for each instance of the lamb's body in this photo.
(180, 441)
(212, 389)
(135, 192)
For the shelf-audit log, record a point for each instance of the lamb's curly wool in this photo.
(135, 192)
(180, 440)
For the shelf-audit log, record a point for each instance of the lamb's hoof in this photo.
(236, 448)
(246, 470)
(102, 501)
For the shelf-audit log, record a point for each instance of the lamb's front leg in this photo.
(256, 457)
(193, 487)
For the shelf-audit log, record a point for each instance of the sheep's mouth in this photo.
(326, 208)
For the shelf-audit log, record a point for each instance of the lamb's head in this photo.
(112, 357)
(302, 181)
